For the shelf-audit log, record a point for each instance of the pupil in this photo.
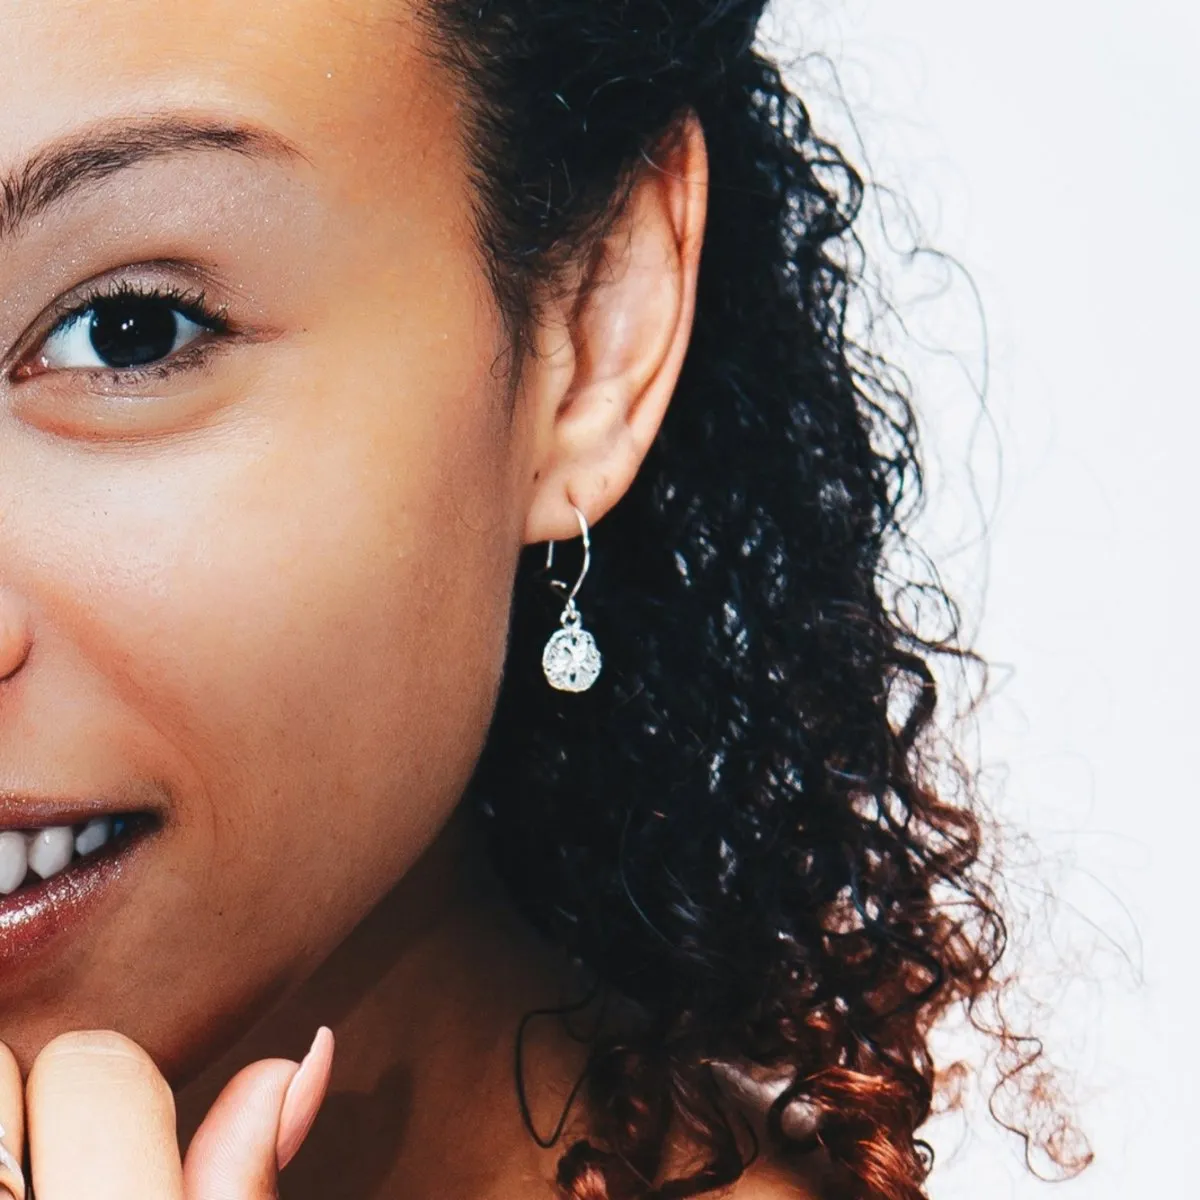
(132, 330)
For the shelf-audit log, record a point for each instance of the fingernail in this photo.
(303, 1097)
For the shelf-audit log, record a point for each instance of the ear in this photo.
(606, 358)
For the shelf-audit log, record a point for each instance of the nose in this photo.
(15, 632)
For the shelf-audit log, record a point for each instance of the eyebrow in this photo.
(62, 168)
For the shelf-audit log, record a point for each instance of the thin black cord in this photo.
(522, 1097)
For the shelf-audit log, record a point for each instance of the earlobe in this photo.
(628, 327)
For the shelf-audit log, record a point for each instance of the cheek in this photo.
(302, 619)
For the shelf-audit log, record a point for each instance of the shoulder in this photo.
(811, 1177)
(766, 1180)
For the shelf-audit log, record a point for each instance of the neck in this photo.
(424, 999)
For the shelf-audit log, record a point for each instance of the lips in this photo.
(40, 910)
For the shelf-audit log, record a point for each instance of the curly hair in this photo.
(738, 828)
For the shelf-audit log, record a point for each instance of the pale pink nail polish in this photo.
(304, 1096)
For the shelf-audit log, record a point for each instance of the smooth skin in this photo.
(268, 593)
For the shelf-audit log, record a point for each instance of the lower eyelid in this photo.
(194, 356)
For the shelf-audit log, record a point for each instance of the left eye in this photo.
(119, 332)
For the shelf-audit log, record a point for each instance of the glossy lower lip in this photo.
(35, 917)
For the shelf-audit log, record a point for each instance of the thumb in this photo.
(256, 1125)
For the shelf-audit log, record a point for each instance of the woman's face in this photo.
(261, 587)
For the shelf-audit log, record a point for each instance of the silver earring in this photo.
(571, 660)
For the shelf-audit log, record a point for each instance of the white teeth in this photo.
(47, 851)
(50, 850)
(93, 835)
(14, 861)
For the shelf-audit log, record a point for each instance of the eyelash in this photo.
(192, 305)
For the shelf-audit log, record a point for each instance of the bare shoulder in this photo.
(768, 1180)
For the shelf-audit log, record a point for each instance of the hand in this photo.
(101, 1124)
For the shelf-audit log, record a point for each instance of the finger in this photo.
(12, 1126)
(232, 1154)
(101, 1121)
(256, 1124)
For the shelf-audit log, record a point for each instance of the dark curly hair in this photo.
(738, 828)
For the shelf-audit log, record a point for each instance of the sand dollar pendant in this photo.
(571, 659)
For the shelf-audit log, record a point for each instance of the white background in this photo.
(1051, 147)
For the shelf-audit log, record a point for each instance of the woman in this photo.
(325, 324)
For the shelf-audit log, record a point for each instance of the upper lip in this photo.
(19, 811)
(29, 810)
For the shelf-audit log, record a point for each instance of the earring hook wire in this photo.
(587, 561)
